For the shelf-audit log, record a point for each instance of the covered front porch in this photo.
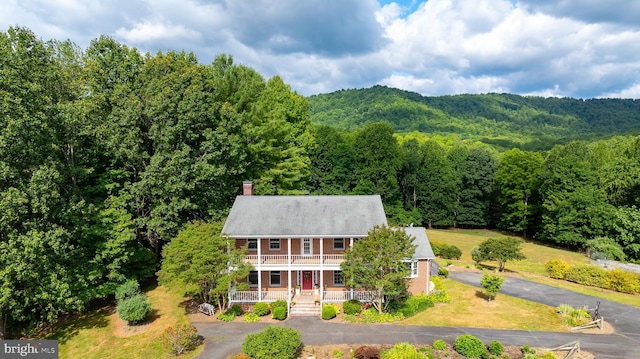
(271, 295)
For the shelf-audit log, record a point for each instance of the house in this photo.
(297, 243)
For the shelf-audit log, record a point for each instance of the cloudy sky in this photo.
(576, 48)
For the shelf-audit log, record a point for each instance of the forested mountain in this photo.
(502, 119)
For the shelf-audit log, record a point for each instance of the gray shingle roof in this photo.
(304, 216)
(424, 250)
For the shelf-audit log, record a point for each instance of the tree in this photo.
(197, 262)
(436, 186)
(376, 262)
(501, 249)
(492, 284)
(478, 186)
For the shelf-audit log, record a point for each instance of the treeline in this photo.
(106, 153)
(503, 120)
(582, 195)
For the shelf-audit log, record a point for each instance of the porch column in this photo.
(321, 271)
(350, 242)
(259, 269)
(428, 275)
(289, 295)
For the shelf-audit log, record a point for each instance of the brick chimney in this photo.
(247, 188)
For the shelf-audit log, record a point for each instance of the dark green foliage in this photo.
(446, 251)
(605, 248)
(328, 312)
(443, 272)
(261, 309)
(273, 343)
(182, 338)
(235, 309)
(500, 249)
(352, 307)
(469, 346)
(415, 304)
(134, 309)
(439, 344)
(226, 317)
(496, 348)
(279, 313)
(127, 289)
(279, 304)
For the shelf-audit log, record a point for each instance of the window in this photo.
(274, 244)
(253, 278)
(413, 268)
(274, 278)
(338, 244)
(338, 278)
(252, 244)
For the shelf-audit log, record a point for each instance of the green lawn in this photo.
(100, 334)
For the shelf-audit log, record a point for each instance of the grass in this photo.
(469, 308)
(101, 334)
(531, 268)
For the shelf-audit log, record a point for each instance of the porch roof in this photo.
(304, 216)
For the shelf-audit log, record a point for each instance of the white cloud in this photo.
(149, 31)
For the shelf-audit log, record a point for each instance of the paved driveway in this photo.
(222, 339)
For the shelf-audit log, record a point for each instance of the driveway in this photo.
(222, 339)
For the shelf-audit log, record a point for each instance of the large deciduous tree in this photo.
(203, 263)
(376, 263)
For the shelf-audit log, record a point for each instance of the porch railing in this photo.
(252, 296)
(344, 295)
(296, 259)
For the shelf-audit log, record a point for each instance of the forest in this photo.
(106, 154)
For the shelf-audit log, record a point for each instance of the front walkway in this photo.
(222, 339)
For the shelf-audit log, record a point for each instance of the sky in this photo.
(566, 48)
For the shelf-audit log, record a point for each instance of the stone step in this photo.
(306, 310)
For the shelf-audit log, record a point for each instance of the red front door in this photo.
(307, 280)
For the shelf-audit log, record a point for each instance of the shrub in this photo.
(273, 343)
(279, 313)
(605, 248)
(622, 281)
(372, 316)
(251, 318)
(416, 303)
(439, 344)
(572, 316)
(402, 351)
(261, 309)
(469, 346)
(279, 304)
(235, 309)
(227, 317)
(556, 268)
(134, 309)
(337, 353)
(128, 289)
(352, 307)
(443, 272)
(492, 284)
(446, 251)
(239, 356)
(439, 293)
(496, 348)
(328, 311)
(366, 352)
(180, 339)
(587, 275)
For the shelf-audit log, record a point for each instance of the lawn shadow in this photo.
(190, 306)
(71, 326)
(482, 295)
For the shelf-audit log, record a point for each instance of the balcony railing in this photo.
(296, 259)
(364, 296)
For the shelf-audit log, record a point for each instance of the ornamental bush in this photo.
(352, 307)
(261, 309)
(180, 339)
(469, 346)
(226, 317)
(622, 281)
(235, 309)
(328, 311)
(127, 289)
(496, 348)
(134, 309)
(556, 268)
(273, 343)
(251, 318)
(279, 313)
(402, 351)
(446, 251)
(439, 344)
(587, 275)
(279, 304)
(415, 304)
(443, 272)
